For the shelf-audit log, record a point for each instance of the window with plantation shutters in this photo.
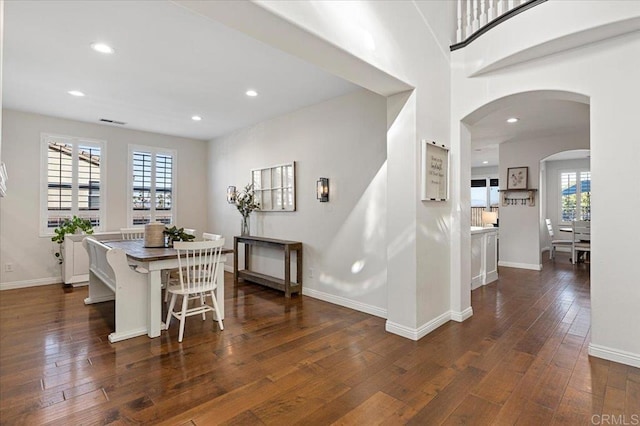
(72, 181)
(152, 184)
(575, 195)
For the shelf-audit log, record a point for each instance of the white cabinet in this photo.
(484, 256)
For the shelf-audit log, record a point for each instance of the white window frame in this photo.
(488, 179)
(44, 181)
(577, 171)
(174, 180)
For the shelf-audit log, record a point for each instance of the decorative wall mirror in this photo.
(275, 187)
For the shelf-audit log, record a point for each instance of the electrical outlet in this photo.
(8, 267)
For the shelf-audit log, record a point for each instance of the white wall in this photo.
(343, 139)
(521, 226)
(485, 172)
(387, 47)
(396, 38)
(22, 245)
(606, 72)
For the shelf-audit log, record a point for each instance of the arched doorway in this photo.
(547, 122)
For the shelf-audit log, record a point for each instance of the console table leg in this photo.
(287, 272)
(235, 262)
(299, 270)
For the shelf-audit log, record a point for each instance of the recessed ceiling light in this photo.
(513, 120)
(252, 93)
(196, 118)
(75, 93)
(102, 48)
(485, 162)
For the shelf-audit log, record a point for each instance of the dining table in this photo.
(152, 261)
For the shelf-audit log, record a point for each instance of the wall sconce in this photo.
(231, 194)
(322, 190)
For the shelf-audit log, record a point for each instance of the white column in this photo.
(491, 12)
(476, 23)
(459, 23)
(483, 13)
(468, 30)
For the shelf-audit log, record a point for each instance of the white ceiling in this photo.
(169, 65)
(538, 118)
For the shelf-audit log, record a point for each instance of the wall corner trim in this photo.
(347, 303)
(420, 332)
(461, 316)
(615, 355)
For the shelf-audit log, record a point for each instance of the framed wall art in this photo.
(517, 177)
(275, 187)
(435, 172)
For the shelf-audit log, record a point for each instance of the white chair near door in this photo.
(198, 276)
(555, 243)
(581, 239)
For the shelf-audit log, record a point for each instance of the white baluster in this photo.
(476, 23)
(459, 27)
(501, 10)
(468, 27)
(483, 13)
(510, 4)
(491, 12)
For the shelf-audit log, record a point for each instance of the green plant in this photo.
(177, 234)
(246, 201)
(69, 226)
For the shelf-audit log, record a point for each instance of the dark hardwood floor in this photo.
(521, 359)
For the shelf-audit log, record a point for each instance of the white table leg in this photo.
(155, 304)
(220, 289)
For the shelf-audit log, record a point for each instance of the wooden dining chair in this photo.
(210, 237)
(555, 243)
(132, 233)
(198, 264)
(581, 239)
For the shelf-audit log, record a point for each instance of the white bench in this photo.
(111, 278)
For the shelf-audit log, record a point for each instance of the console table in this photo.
(281, 284)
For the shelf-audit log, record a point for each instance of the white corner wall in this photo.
(605, 72)
(389, 48)
(21, 243)
(343, 139)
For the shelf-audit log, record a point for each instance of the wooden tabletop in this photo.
(265, 240)
(136, 250)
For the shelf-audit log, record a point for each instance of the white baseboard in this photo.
(461, 316)
(491, 277)
(615, 355)
(420, 332)
(30, 283)
(531, 266)
(99, 299)
(347, 303)
(476, 282)
(228, 268)
(116, 337)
